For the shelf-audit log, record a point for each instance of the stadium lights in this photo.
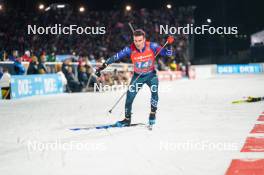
(128, 8)
(81, 9)
(1, 7)
(47, 9)
(61, 6)
(41, 7)
(209, 20)
(56, 6)
(168, 6)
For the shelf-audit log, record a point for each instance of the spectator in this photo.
(3, 56)
(116, 77)
(33, 66)
(66, 63)
(5, 84)
(82, 76)
(61, 74)
(73, 84)
(161, 65)
(92, 59)
(42, 69)
(173, 65)
(1, 72)
(14, 56)
(26, 56)
(108, 80)
(125, 76)
(18, 67)
(51, 57)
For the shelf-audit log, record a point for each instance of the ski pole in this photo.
(110, 111)
(131, 27)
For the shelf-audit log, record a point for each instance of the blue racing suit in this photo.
(144, 72)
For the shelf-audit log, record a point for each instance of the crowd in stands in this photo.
(17, 46)
(76, 76)
(14, 36)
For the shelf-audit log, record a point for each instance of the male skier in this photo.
(142, 54)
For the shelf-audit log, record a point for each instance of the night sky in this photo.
(247, 15)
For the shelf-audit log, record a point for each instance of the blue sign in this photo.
(31, 85)
(239, 68)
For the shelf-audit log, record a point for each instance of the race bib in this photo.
(143, 65)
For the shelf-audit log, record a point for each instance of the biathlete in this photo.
(142, 54)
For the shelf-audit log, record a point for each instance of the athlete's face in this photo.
(139, 42)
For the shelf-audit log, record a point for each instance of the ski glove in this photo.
(99, 69)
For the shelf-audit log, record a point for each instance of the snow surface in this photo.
(195, 113)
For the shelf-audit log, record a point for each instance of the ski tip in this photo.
(238, 101)
(75, 129)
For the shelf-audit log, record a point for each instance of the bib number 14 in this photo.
(143, 65)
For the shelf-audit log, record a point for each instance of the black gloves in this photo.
(99, 69)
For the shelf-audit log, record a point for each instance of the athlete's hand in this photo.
(170, 39)
(99, 69)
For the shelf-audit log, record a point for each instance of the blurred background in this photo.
(115, 14)
(41, 54)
